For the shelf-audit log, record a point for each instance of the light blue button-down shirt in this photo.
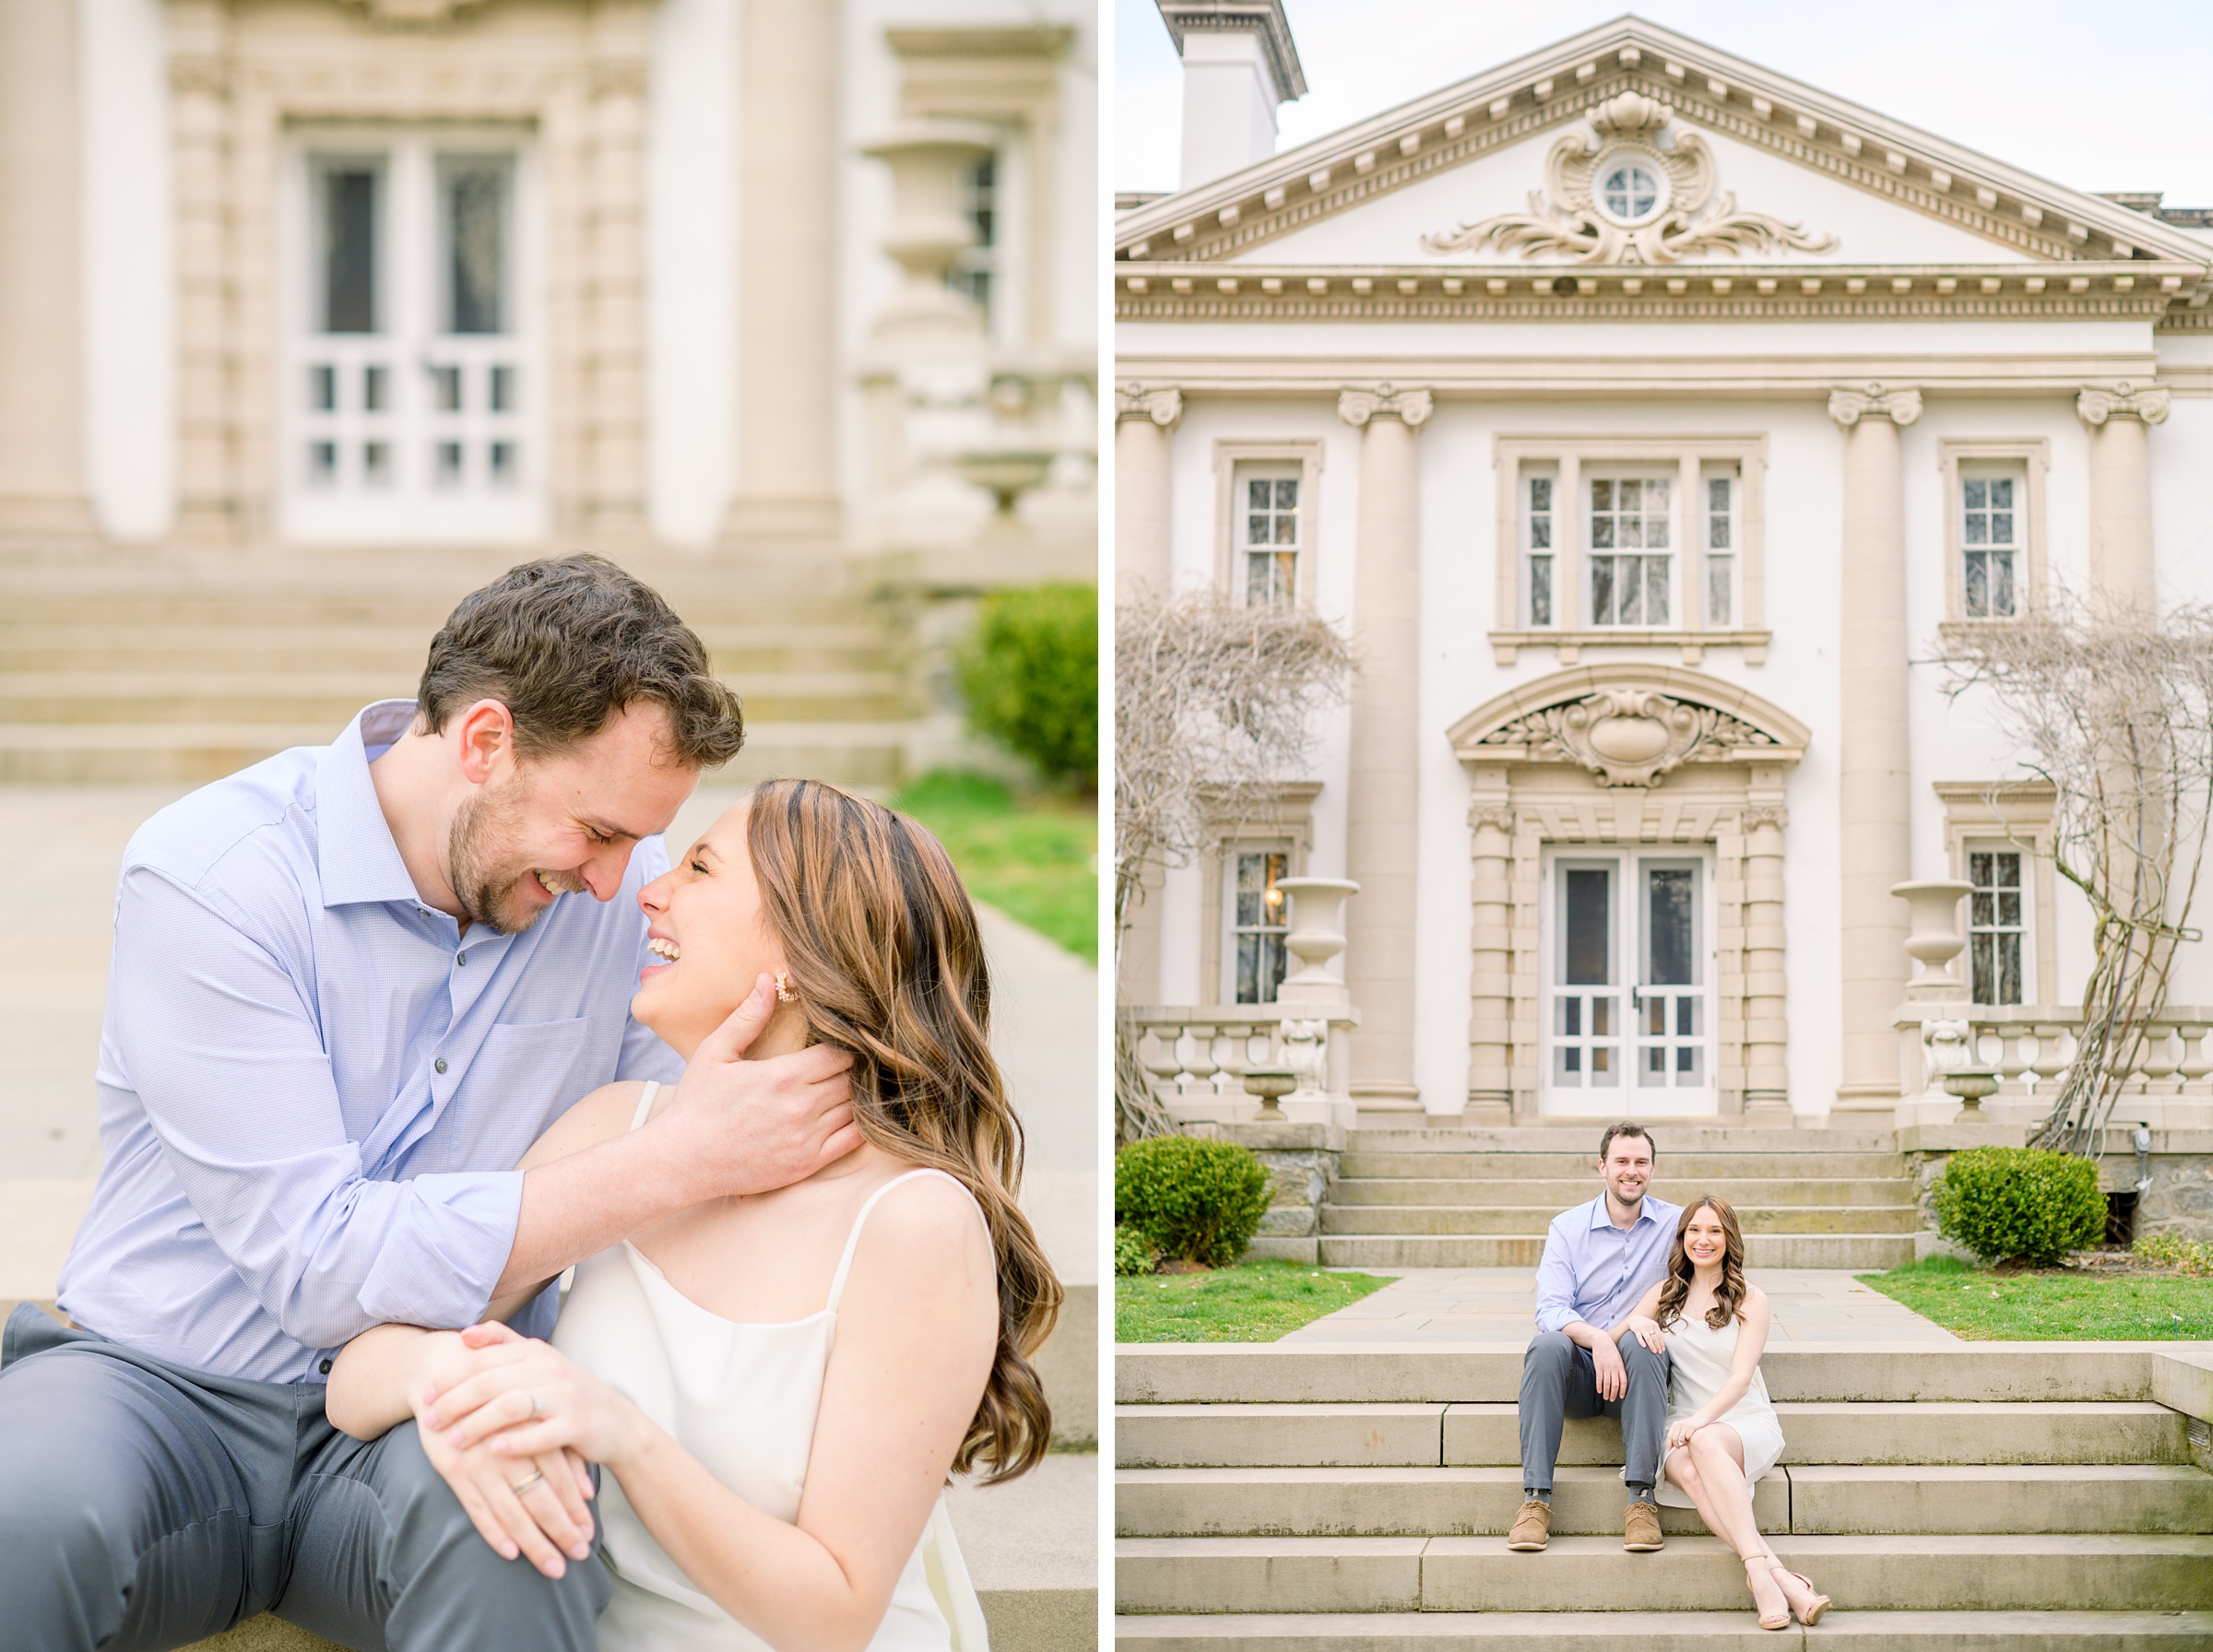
(313, 1088)
(1596, 1272)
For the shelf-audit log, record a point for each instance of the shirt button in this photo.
(324, 1367)
(461, 958)
(439, 1064)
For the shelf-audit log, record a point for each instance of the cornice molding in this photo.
(1410, 407)
(1048, 40)
(2150, 403)
(1901, 408)
(1723, 94)
(1262, 17)
(1161, 403)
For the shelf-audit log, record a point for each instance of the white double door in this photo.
(1626, 947)
(411, 399)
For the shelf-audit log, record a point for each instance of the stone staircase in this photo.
(145, 665)
(1998, 1497)
(1482, 1197)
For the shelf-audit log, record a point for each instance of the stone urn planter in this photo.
(1317, 935)
(1935, 938)
(1270, 1084)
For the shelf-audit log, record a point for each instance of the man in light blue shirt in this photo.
(1599, 1260)
(350, 986)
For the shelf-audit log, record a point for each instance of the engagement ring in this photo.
(538, 1406)
(522, 1486)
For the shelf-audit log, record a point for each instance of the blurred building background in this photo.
(315, 314)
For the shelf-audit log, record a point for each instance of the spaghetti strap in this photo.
(653, 1087)
(845, 1263)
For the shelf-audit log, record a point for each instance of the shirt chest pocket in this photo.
(525, 1074)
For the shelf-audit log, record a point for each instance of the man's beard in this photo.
(479, 855)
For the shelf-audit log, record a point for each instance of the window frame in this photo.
(1986, 457)
(1673, 515)
(1691, 457)
(1283, 818)
(1232, 850)
(2025, 890)
(1230, 458)
(2011, 816)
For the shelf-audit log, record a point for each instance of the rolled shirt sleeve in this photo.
(1555, 1283)
(227, 1057)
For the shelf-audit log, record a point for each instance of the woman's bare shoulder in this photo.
(927, 1228)
(599, 1116)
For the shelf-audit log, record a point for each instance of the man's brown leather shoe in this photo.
(1532, 1526)
(1641, 1529)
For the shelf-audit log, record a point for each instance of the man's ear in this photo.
(483, 735)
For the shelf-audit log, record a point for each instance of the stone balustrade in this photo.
(2170, 1082)
(1197, 1057)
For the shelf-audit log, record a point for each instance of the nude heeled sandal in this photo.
(1821, 1603)
(1767, 1562)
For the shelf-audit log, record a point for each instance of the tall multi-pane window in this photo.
(1269, 536)
(1995, 924)
(1539, 492)
(972, 270)
(1631, 559)
(1989, 541)
(1259, 923)
(1719, 513)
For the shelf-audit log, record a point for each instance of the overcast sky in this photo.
(2097, 96)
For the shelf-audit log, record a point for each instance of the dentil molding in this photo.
(1680, 216)
(1901, 408)
(2149, 404)
(1412, 408)
(1162, 406)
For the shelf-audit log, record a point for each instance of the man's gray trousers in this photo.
(144, 1506)
(1559, 1380)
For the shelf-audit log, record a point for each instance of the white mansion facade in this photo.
(1648, 418)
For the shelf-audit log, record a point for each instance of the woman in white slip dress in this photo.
(779, 1384)
(1723, 1432)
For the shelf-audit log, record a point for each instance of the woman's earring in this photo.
(784, 993)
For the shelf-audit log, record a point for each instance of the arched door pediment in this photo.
(1629, 724)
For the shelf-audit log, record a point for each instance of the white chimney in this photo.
(1239, 64)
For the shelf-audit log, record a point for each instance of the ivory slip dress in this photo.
(741, 1398)
(1699, 1362)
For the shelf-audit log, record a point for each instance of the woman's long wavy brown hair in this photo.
(1729, 1296)
(888, 965)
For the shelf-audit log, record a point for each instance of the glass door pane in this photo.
(1585, 1013)
(1671, 999)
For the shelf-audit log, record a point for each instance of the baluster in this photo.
(2052, 1056)
(1206, 1060)
(2013, 1058)
(2194, 1065)
(2158, 1060)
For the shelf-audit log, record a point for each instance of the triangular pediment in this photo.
(1739, 164)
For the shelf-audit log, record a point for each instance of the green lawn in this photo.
(1034, 858)
(1253, 1302)
(2051, 1307)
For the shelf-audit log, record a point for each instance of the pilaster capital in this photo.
(1489, 811)
(1755, 815)
(1901, 408)
(1163, 405)
(207, 74)
(1411, 408)
(2148, 403)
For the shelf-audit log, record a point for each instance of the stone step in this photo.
(1580, 1139)
(1369, 1180)
(1920, 1572)
(1675, 1170)
(1809, 1500)
(2058, 1631)
(1490, 1372)
(1438, 1432)
(1530, 1221)
(1859, 1252)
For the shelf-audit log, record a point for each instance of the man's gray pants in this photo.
(144, 1506)
(1559, 1380)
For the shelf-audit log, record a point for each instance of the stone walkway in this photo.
(1497, 1304)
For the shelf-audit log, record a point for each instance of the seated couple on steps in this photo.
(1644, 1314)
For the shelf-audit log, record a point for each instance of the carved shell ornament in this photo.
(1623, 198)
(1630, 737)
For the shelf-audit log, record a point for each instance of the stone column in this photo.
(1380, 823)
(1766, 1072)
(42, 346)
(1491, 983)
(615, 294)
(2123, 574)
(1873, 760)
(786, 475)
(1144, 424)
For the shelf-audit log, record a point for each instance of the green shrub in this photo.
(2021, 1203)
(1134, 1253)
(1030, 670)
(1198, 1200)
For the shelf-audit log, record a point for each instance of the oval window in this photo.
(1630, 192)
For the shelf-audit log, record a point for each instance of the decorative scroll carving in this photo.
(2149, 404)
(1901, 408)
(1162, 406)
(1677, 218)
(1485, 812)
(1412, 406)
(1632, 736)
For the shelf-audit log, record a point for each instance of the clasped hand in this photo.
(515, 1406)
(1681, 1429)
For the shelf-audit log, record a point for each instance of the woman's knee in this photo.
(1710, 1446)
